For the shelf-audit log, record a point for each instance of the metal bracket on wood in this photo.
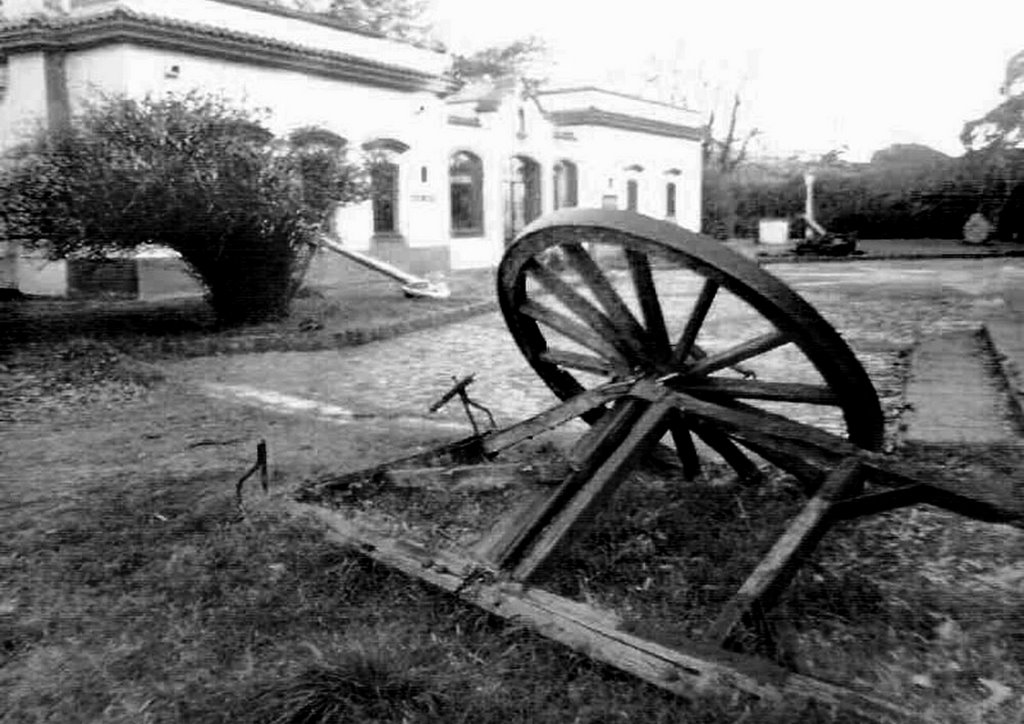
(459, 389)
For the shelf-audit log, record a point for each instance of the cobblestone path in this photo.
(880, 308)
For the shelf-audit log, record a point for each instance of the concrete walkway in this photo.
(957, 395)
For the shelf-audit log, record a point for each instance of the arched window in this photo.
(632, 194)
(465, 175)
(566, 184)
(384, 183)
(522, 194)
(670, 200)
(384, 191)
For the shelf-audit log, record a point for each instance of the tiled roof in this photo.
(124, 25)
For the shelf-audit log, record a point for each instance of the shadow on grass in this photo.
(150, 600)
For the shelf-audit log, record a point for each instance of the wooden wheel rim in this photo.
(789, 313)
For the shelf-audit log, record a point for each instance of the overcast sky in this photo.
(816, 75)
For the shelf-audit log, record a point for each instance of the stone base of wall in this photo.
(166, 277)
(102, 278)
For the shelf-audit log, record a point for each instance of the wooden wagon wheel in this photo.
(582, 292)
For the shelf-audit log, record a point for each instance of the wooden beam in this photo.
(760, 390)
(776, 569)
(610, 431)
(494, 442)
(577, 361)
(691, 670)
(592, 488)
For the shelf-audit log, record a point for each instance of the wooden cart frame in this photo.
(614, 365)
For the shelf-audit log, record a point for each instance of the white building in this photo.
(463, 170)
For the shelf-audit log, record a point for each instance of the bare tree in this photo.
(725, 153)
(675, 78)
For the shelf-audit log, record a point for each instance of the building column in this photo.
(58, 105)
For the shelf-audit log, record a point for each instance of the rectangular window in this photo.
(384, 187)
(632, 192)
(670, 200)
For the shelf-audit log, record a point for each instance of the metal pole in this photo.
(809, 206)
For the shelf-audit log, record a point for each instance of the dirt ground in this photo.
(133, 589)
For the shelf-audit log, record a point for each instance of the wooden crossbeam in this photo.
(592, 488)
(494, 442)
(608, 435)
(776, 569)
(689, 670)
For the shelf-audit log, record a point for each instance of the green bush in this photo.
(879, 201)
(191, 173)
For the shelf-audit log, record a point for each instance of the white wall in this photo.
(601, 155)
(606, 153)
(23, 108)
(581, 98)
(38, 275)
(279, 27)
(356, 112)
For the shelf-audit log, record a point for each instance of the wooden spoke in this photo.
(744, 421)
(685, 448)
(603, 290)
(573, 330)
(758, 390)
(880, 502)
(577, 361)
(627, 344)
(698, 353)
(745, 468)
(701, 307)
(647, 293)
(739, 353)
(805, 469)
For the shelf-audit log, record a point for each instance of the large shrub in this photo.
(882, 200)
(191, 173)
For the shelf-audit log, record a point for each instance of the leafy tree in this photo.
(996, 142)
(191, 173)
(398, 19)
(1002, 128)
(515, 58)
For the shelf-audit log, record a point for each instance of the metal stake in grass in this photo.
(261, 466)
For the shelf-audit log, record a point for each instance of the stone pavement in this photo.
(881, 308)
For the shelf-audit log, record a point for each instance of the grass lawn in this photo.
(320, 318)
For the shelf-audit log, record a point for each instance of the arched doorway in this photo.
(522, 194)
(566, 184)
(385, 174)
(465, 178)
